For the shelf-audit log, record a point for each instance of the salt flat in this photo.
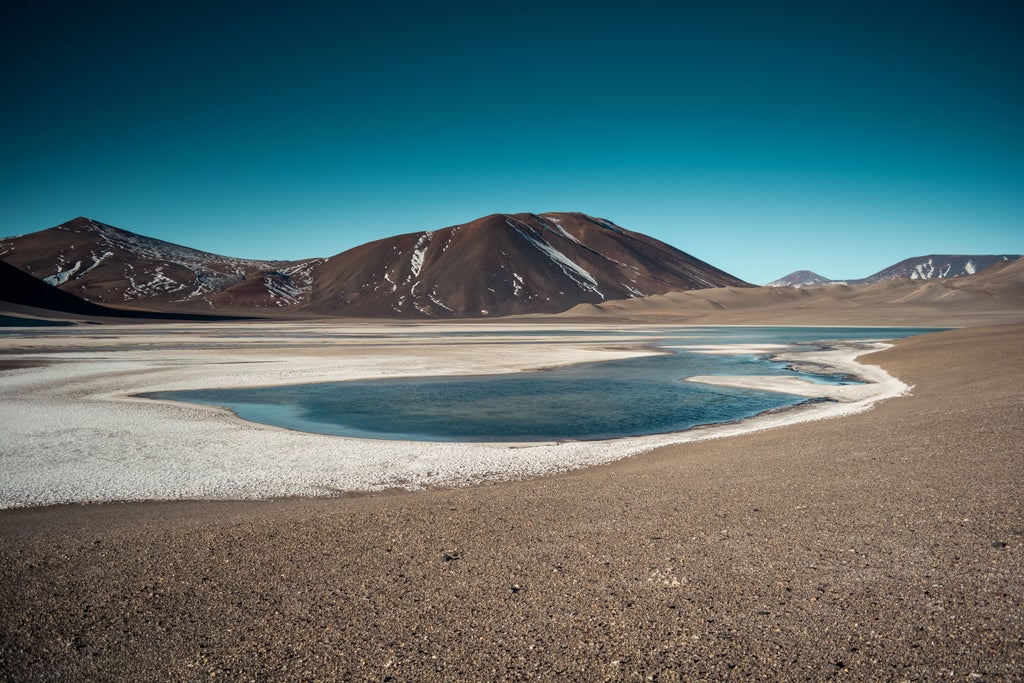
(74, 432)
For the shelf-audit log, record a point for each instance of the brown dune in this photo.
(884, 546)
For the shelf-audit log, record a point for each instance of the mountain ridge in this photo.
(497, 265)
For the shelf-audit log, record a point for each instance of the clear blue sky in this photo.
(763, 137)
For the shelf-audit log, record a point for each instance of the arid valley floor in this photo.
(881, 545)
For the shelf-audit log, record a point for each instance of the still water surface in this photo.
(589, 401)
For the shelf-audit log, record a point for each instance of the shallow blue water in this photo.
(589, 401)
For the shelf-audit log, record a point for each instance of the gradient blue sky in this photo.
(762, 137)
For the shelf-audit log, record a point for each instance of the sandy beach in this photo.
(884, 545)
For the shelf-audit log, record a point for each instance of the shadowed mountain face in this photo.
(35, 298)
(18, 287)
(505, 264)
(497, 265)
(104, 264)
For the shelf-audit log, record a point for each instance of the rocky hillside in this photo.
(107, 265)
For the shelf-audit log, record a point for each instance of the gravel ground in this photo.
(880, 546)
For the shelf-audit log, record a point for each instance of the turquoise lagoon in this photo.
(633, 397)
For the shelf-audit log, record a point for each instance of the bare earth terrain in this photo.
(884, 545)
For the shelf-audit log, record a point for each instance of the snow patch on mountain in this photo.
(574, 271)
(62, 276)
(418, 252)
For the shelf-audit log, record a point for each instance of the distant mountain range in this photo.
(995, 294)
(931, 267)
(497, 265)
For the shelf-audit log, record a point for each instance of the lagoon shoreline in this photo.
(155, 449)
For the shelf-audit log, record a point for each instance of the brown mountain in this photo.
(505, 264)
(497, 265)
(107, 265)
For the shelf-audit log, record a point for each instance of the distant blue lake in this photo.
(612, 399)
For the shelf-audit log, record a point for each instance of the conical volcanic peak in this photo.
(505, 264)
(800, 278)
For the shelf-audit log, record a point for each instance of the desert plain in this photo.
(882, 543)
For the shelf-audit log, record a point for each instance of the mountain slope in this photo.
(104, 264)
(505, 264)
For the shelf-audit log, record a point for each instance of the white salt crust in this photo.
(72, 432)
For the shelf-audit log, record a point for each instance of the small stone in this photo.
(998, 545)
(450, 556)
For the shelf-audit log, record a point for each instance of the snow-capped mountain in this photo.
(800, 278)
(505, 264)
(936, 266)
(931, 267)
(104, 264)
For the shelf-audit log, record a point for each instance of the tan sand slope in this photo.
(883, 546)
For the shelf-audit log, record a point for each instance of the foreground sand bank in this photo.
(882, 546)
(108, 445)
